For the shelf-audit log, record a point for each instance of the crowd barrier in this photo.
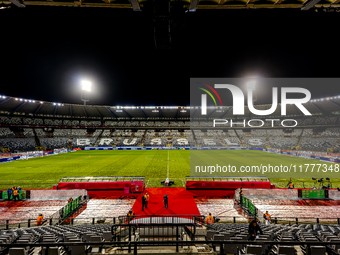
(170, 148)
(309, 155)
(22, 194)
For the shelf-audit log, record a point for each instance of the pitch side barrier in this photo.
(308, 155)
(26, 155)
(169, 148)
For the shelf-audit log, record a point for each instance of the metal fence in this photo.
(133, 246)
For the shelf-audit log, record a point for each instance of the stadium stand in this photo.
(28, 132)
(161, 142)
(67, 123)
(40, 132)
(79, 133)
(62, 133)
(317, 144)
(179, 142)
(19, 144)
(256, 142)
(215, 133)
(161, 124)
(175, 133)
(6, 132)
(147, 123)
(54, 143)
(106, 133)
(96, 133)
(150, 133)
(283, 143)
(106, 142)
(126, 142)
(163, 133)
(110, 123)
(140, 133)
(331, 132)
(117, 133)
(127, 132)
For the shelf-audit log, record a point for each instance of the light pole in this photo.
(85, 91)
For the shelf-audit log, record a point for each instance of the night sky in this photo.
(47, 51)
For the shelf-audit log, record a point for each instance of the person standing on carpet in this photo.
(166, 204)
(143, 202)
(146, 200)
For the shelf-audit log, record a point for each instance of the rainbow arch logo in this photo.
(209, 93)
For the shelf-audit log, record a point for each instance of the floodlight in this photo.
(86, 85)
(313, 178)
(251, 85)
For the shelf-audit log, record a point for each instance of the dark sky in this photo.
(47, 51)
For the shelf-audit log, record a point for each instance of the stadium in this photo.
(106, 158)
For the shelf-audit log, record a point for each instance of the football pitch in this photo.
(155, 165)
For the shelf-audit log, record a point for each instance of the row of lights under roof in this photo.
(3, 97)
(326, 98)
(26, 100)
(153, 107)
(58, 104)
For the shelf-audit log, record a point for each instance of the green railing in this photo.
(70, 207)
(246, 202)
(313, 193)
(22, 195)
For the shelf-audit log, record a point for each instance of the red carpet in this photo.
(181, 202)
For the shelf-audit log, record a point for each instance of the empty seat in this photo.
(317, 250)
(254, 249)
(210, 234)
(107, 235)
(218, 237)
(17, 251)
(95, 239)
(288, 250)
(78, 250)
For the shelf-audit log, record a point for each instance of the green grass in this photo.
(44, 172)
(40, 173)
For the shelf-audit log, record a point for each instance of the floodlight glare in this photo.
(251, 85)
(86, 85)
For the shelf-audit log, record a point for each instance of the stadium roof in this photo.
(12, 106)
